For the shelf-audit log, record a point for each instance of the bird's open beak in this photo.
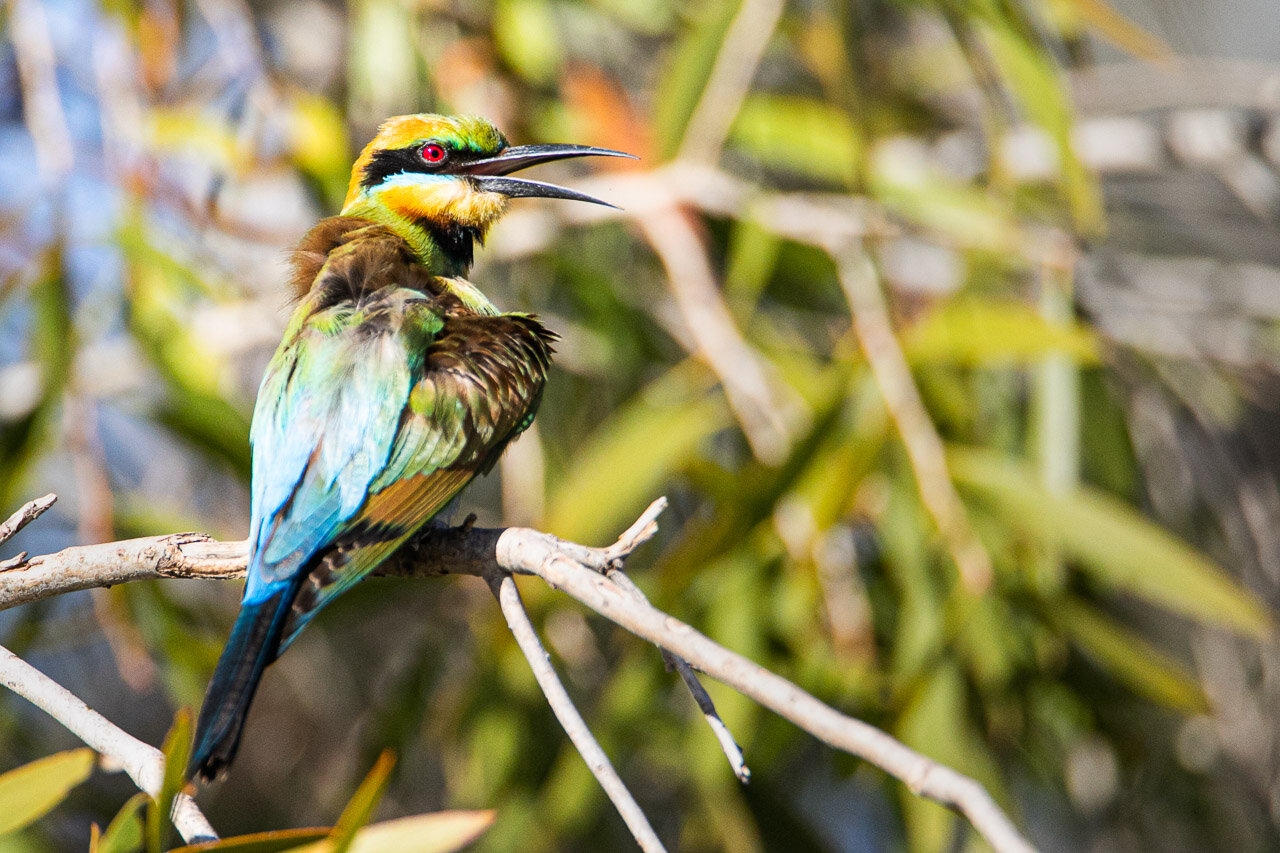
(490, 173)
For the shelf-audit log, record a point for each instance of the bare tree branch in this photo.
(143, 762)
(504, 589)
(922, 775)
(578, 570)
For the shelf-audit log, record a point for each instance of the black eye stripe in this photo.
(397, 161)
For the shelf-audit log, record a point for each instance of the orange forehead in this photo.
(461, 132)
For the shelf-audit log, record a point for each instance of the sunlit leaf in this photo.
(320, 143)
(903, 179)
(525, 33)
(688, 70)
(177, 749)
(1031, 73)
(124, 833)
(360, 808)
(1112, 541)
(629, 457)
(29, 792)
(196, 133)
(1130, 658)
(442, 832)
(798, 134)
(973, 333)
(1116, 28)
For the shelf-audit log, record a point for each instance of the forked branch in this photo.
(593, 576)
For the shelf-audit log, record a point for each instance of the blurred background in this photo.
(1050, 559)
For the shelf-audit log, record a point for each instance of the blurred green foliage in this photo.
(229, 127)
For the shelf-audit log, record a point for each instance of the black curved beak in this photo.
(489, 173)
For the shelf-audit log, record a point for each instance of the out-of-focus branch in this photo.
(764, 406)
(583, 573)
(736, 63)
(892, 374)
(41, 103)
(143, 762)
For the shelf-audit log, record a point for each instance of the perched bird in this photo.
(397, 382)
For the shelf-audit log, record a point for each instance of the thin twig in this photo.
(921, 774)
(897, 386)
(41, 103)
(143, 762)
(642, 530)
(26, 514)
(504, 589)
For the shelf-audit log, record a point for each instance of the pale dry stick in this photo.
(24, 515)
(41, 103)
(735, 66)
(767, 410)
(922, 775)
(892, 376)
(143, 762)
(728, 745)
(504, 589)
(642, 530)
(573, 568)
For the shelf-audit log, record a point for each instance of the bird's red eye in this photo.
(434, 153)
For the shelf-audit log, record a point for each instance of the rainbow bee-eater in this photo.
(397, 382)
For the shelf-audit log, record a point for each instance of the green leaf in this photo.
(975, 333)
(442, 832)
(124, 833)
(904, 180)
(935, 723)
(525, 33)
(1130, 658)
(1112, 541)
(688, 72)
(633, 454)
(273, 841)
(360, 808)
(802, 135)
(1107, 22)
(29, 792)
(177, 749)
(1030, 71)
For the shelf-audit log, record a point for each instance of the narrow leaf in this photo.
(29, 792)
(360, 809)
(1130, 658)
(973, 333)
(124, 833)
(273, 841)
(1112, 541)
(442, 832)
(177, 749)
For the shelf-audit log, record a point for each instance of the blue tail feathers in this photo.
(253, 644)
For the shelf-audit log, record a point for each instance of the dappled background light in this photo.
(1018, 506)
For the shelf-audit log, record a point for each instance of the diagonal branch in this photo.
(504, 589)
(143, 762)
(892, 375)
(581, 572)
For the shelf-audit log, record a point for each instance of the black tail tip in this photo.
(208, 768)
